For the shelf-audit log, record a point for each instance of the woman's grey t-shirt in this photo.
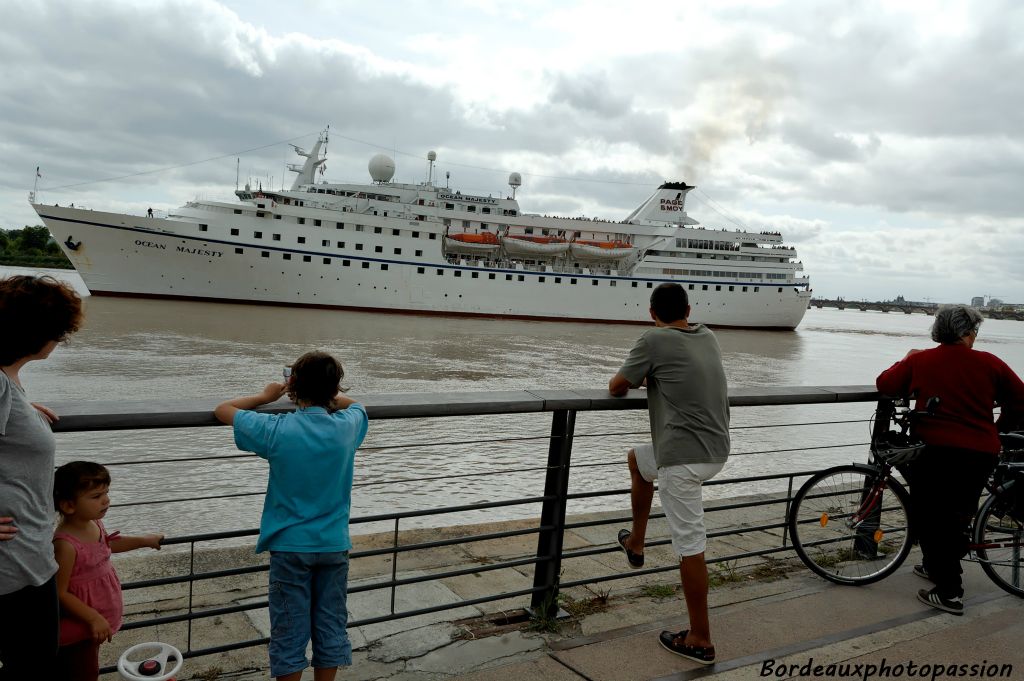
(686, 393)
(27, 448)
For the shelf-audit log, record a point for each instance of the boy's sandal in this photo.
(699, 654)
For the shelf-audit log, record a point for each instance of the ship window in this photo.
(651, 285)
(521, 278)
(359, 247)
(265, 254)
(341, 244)
(612, 282)
(234, 232)
(718, 288)
(474, 275)
(316, 223)
(471, 209)
(541, 279)
(307, 258)
(490, 275)
(433, 236)
(287, 256)
(415, 235)
(593, 282)
(239, 251)
(483, 225)
(258, 235)
(508, 277)
(325, 242)
(691, 286)
(376, 230)
(384, 266)
(359, 228)
(485, 209)
(277, 217)
(528, 230)
(780, 289)
(512, 212)
(395, 232)
(398, 251)
(345, 263)
(704, 287)
(202, 228)
(238, 212)
(440, 273)
(419, 253)
(302, 239)
(327, 261)
(744, 289)
(366, 265)
(634, 284)
(378, 249)
(558, 280)
(756, 289)
(449, 206)
(420, 270)
(732, 288)
(467, 223)
(277, 237)
(572, 281)
(458, 273)
(301, 221)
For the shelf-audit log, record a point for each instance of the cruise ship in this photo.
(385, 246)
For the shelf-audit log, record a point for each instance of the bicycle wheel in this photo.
(998, 540)
(848, 529)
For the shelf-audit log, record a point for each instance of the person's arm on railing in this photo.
(225, 411)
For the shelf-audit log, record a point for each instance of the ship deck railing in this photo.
(556, 460)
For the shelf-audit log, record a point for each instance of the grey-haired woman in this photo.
(962, 441)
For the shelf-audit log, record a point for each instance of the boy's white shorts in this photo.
(679, 488)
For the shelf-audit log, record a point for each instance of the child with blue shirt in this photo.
(311, 453)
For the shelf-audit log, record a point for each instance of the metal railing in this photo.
(554, 498)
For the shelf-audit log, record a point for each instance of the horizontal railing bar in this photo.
(533, 560)
(119, 415)
(447, 509)
(407, 548)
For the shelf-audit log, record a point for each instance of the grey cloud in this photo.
(589, 92)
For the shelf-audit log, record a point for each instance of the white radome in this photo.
(382, 168)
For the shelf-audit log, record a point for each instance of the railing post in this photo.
(549, 542)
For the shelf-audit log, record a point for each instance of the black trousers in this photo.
(946, 484)
(29, 632)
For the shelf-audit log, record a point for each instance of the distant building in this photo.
(994, 302)
(978, 301)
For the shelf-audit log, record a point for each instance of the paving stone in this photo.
(407, 645)
(368, 604)
(464, 656)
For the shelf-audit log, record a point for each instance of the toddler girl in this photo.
(87, 586)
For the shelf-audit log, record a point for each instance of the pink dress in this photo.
(95, 583)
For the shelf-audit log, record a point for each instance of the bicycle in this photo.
(851, 524)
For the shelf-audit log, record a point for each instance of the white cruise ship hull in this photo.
(118, 254)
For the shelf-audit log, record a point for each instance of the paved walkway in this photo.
(766, 613)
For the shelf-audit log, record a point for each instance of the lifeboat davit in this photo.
(485, 242)
(601, 250)
(548, 246)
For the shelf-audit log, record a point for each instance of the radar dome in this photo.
(515, 180)
(431, 155)
(382, 168)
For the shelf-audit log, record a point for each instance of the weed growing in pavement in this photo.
(659, 590)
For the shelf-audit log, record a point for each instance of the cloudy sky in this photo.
(884, 139)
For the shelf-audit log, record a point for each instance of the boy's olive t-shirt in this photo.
(686, 393)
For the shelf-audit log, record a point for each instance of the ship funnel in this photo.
(665, 205)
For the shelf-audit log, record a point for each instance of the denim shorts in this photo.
(308, 600)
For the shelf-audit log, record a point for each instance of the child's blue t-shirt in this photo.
(311, 454)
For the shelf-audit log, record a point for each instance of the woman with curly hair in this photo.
(36, 313)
